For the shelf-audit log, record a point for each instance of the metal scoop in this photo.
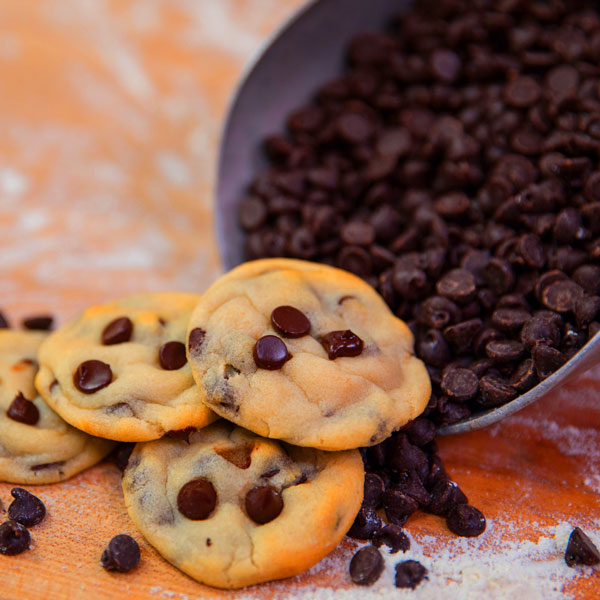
(308, 51)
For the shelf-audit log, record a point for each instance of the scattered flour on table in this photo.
(491, 566)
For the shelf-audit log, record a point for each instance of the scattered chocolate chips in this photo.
(91, 376)
(122, 554)
(23, 410)
(197, 499)
(14, 538)
(341, 343)
(465, 520)
(581, 550)
(393, 537)
(38, 322)
(409, 574)
(270, 353)
(366, 566)
(263, 504)
(117, 331)
(26, 508)
(290, 322)
(172, 356)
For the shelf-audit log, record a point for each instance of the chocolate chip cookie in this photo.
(231, 509)
(305, 353)
(36, 445)
(120, 371)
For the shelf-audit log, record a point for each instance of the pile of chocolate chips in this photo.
(454, 166)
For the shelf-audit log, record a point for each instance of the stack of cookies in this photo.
(248, 404)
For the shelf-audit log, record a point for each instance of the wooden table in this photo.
(110, 113)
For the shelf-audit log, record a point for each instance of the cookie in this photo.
(36, 445)
(232, 509)
(305, 353)
(120, 371)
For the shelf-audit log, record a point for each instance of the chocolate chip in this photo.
(373, 491)
(499, 275)
(196, 340)
(409, 574)
(4, 324)
(503, 351)
(522, 92)
(197, 499)
(26, 508)
(465, 520)
(393, 537)
(561, 295)
(460, 384)
(546, 359)
(510, 320)
(39, 322)
(524, 376)
(366, 524)
(341, 343)
(437, 312)
(14, 538)
(91, 376)
(172, 356)
(270, 353)
(404, 456)
(462, 334)
(494, 391)
(240, 455)
(581, 550)
(586, 309)
(420, 432)
(23, 410)
(540, 328)
(117, 331)
(263, 504)
(122, 554)
(445, 495)
(458, 285)
(290, 322)
(398, 506)
(433, 348)
(366, 566)
(122, 454)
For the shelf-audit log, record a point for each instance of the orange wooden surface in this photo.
(110, 112)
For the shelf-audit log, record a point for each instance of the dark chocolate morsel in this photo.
(26, 508)
(23, 410)
(409, 574)
(195, 340)
(197, 499)
(91, 376)
(393, 537)
(263, 504)
(341, 343)
(122, 554)
(14, 538)
(290, 322)
(172, 356)
(581, 550)
(465, 520)
(366, 566)
(366, 524)
(270, 353)
(117, 331)
(39, 322)
(4, 321)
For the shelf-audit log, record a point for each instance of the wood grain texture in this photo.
(110, 112)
